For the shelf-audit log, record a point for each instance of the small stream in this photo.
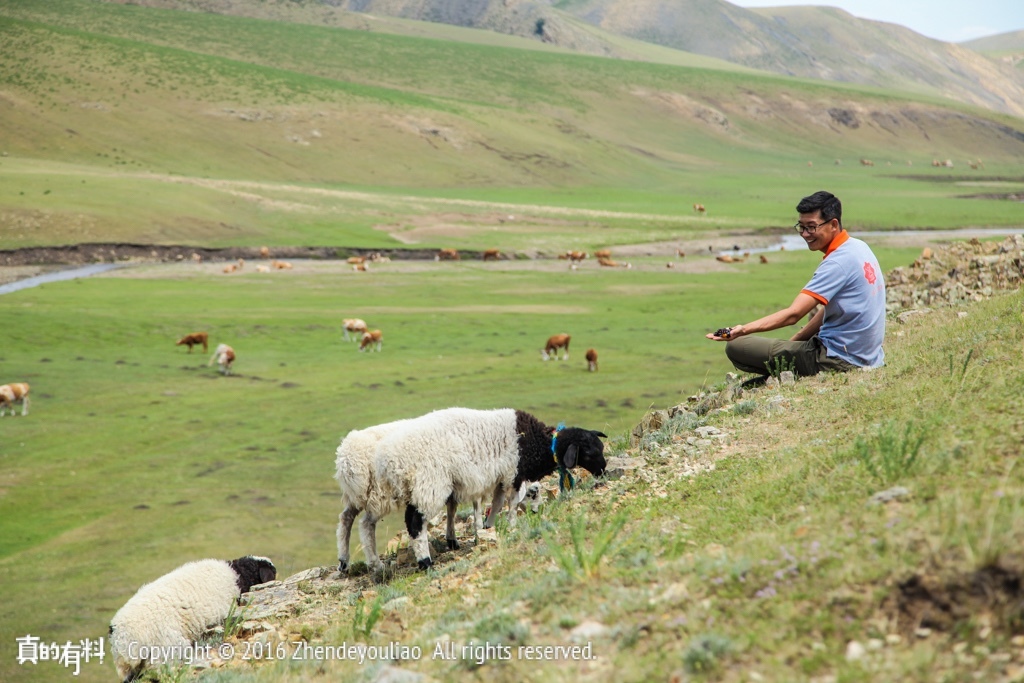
(57, 276)
(793, 242)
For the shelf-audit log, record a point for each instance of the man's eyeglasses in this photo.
(809, 229)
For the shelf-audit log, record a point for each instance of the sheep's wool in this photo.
(172, 611)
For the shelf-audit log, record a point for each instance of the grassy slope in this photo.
(117, 119)
(770, 566)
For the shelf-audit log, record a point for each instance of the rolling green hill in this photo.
(813, 42)
(127, 123)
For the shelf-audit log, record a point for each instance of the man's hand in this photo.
(726, 333)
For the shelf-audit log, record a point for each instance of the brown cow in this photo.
(225, 356)
(353, 329)
(491, 255)
(371, 339)
(194, 339)
(447, 255)
(555, 342)
(699, 208)
(10, 393)
(591, 360)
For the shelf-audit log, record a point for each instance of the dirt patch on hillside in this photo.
(991, 594)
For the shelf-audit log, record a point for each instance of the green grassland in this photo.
(122, 418)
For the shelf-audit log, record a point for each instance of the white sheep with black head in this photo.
(460, 455)
(165, 617)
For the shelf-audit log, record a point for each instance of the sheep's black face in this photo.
(583, 448)
(253, 570)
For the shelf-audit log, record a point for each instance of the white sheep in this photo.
(461, 455)
(355, 473)
(162, 621)
(360, 490)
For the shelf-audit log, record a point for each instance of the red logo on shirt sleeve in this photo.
(869, 273)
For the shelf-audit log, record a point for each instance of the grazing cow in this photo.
(577, 256)
(555, 342)
(353, 329)
(10, 393)
(491, 255)
(591, 360)
(356, 259)
(866, 162)
(699, 208)
(371, 339)
(680, 253)
(225, 356)
(447, 255)
(194, 339)
(603, 253)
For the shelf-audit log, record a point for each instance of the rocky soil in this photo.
(82, 254)
(961, 272)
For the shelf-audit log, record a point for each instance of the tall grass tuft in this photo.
(893, 451)
(366, 617)
(580, 562)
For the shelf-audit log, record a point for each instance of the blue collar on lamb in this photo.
(564, 476)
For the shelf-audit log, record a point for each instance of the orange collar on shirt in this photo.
(837, 242)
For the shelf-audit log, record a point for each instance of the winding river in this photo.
(788, 242)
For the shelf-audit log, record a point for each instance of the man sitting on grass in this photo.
(846, 332)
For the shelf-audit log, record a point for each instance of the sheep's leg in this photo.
(449, 534)
(513, 509)
(345, 520)
(368, 535)
(496, 504)
(416, 525)
(478, 522)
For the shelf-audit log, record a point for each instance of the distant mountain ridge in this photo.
(803, 41)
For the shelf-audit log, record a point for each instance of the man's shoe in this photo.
(755, 382)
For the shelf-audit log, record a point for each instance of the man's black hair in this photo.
(825, 202)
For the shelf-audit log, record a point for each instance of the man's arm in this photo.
(801, 306)
(811, 328)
